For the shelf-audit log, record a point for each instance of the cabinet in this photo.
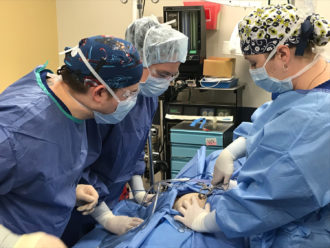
(181, 140)
(186, 140)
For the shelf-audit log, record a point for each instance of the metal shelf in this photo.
(238, 87)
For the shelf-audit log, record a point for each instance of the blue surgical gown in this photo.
(122, 151)
(42, 154)
(283, 193)
(151, 233)
(115, 154)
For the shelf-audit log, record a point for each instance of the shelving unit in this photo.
(180, 149)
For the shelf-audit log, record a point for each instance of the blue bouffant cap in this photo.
(115, 60)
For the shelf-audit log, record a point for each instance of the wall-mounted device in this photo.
(190, 20)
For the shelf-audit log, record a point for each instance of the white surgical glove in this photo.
(39, 240)
(86, 198)
(139, 191)
(140, 196)
(197, 218)
(115, 224)
(224, 165)
(232, 184)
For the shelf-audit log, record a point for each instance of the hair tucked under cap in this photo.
(157, 43)
(136, 31)
(115, 60)
(265, 27)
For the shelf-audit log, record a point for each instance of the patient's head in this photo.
(187, 197)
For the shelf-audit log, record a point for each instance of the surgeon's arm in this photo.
(7, 238)
(92, 178)
(140, 195)
(224, 165)
(31, 240)
(136, 182)
(116, 224)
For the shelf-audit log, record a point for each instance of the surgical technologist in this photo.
(283, 194)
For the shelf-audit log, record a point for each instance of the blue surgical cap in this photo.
(115, 60)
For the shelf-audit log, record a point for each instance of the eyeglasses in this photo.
(128, 94)
(163, 74)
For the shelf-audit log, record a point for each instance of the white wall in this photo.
(77, 19)
(81, 18)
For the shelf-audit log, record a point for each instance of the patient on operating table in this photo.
(201, 198)
(188, 197)
(194, 181)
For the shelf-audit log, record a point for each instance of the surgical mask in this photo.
(123, 107)
(121, 111)
(274, 85)
(154, 86)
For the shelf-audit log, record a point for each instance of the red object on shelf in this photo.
(211, 12)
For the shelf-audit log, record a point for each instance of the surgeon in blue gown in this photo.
(283, 193)
(162, 49)
(43, 139)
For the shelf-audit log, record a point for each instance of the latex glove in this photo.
(39, 240)
(139, 197)
(197, 218)
(139, 192)
(86, 198)
(115, 224)
(121, 224)
(232, 184)
(223, 169)
(224, 165)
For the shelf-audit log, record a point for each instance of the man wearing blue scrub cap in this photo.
(282, 198)
(43, 138)
(162, 49)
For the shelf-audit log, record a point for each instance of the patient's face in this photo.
(187, 197)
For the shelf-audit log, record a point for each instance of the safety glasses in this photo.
(127, 94)
(163, 74)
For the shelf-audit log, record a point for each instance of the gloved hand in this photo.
(121, 224)
(232, 184)
(139, 192)
(224, 165)
(115, 224)
(86, 198)
(197, 218)
(39, 240)
(139, 197)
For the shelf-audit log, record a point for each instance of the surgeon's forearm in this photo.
(7, 238)
(237, 148)
(211, 223)
(136, 184)
(101, 213)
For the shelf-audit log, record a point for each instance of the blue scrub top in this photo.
(43, 152)
(121, 150)
(283, 192)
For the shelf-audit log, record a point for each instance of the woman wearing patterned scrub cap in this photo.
(282, 197)
(43, 138)
(162, 50)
